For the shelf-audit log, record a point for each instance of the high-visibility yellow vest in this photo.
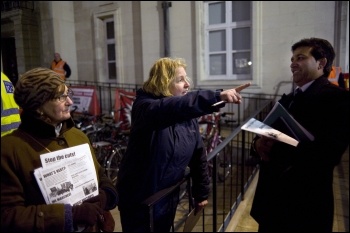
(58, 68)
(334, 75)
(10, 118)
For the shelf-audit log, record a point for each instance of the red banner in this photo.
(123, 106)
(85, 99)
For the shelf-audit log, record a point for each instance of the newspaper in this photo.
(258, 127)
(67, 176)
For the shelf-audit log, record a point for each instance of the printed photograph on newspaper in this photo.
(67, 176)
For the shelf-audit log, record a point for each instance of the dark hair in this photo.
(321, 48)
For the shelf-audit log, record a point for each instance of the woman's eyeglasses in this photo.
(63, 97)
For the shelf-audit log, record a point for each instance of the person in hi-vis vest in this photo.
(336, 76)
(61, 67)
(10, 118)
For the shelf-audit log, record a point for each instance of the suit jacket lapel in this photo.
(286, 99)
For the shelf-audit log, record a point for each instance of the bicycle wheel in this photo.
(102, 151)
(223, 163)
(112, 165)
(93, 136)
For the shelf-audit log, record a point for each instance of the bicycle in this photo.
(88, 123)
(110, 147)
(109, 156)
(209, 127)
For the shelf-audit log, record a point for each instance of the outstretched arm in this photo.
(232, 95)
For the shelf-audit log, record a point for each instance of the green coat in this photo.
(23, 208)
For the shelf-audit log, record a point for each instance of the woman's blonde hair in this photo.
(162, 75)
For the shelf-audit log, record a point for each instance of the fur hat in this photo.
(35, 87)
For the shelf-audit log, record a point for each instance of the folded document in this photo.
(279, 125)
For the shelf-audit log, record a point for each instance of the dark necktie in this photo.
(297, 94)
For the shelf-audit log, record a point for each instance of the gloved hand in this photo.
(108, 224)
(87, 214)
(101, 199)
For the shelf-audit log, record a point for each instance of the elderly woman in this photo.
(46, 126)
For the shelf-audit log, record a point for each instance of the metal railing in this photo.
(105, 92)
(106, 98)
(15, 5)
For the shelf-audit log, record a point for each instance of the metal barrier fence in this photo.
(14, 5)
(106, 97)
(105, 92)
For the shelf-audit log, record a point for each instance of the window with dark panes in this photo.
(228, 40)
(111, 53)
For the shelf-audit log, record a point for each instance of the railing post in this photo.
(243, 163)
(151, 224)
(214, 180)
(110, 98)
(100, 97)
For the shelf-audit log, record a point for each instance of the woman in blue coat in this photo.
(164, 140)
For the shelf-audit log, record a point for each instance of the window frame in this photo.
(100, 16)
(228, 26)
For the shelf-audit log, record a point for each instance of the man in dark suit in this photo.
(294, 191)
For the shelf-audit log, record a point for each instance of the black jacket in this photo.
(164, 140)
(294, 191)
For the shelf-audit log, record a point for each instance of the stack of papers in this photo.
(289, 130)
(67, 176)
